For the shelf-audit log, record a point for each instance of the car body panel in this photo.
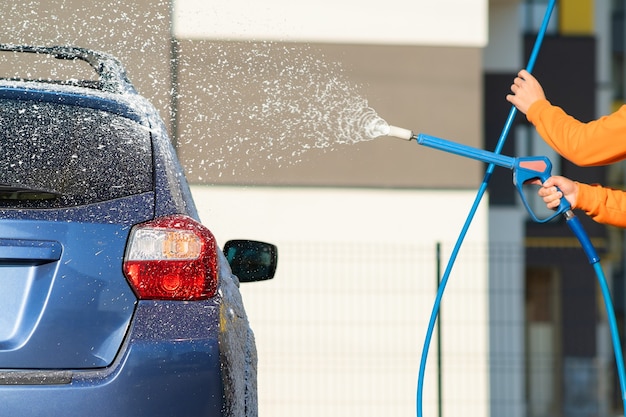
(75, 339)
(169, 366)
(51, 306)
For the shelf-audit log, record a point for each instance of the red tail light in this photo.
(172, 258)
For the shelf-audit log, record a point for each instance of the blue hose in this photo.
(582, 236)
(572, 222)
(470, 217)
(617, 348)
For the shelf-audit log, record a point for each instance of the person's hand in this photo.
(526, 90)
(557, 187)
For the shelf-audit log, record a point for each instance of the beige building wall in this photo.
(340, 328)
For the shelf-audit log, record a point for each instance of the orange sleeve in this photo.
(604, 205)
(599, 142)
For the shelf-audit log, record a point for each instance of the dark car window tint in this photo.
(84, 155)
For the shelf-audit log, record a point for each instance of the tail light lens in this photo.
(172, 258)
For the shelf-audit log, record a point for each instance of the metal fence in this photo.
(342, 326)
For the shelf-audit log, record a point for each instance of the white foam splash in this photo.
(373, 125)
(273, 103)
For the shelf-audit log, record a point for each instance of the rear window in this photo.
(57, 155)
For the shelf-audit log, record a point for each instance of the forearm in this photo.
(599, 142)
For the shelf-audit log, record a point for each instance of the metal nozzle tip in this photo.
(398, 132)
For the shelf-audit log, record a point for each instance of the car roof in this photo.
(111, 73)
(112, 91)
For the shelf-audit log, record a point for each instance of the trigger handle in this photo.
(531, 168)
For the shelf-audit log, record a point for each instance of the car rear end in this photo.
(113, 294)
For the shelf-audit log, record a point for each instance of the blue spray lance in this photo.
(524, 169)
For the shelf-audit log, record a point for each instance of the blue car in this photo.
(114, 299)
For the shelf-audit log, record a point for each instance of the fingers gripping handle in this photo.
(540, 167)
(535, 168)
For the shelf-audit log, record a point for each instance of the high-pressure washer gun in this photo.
(524, 169)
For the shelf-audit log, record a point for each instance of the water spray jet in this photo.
(372, 124)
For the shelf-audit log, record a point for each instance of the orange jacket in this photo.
(602, 204)
(599, 142)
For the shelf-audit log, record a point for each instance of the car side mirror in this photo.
(251, 260)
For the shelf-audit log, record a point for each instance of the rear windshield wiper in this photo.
(22, 192)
